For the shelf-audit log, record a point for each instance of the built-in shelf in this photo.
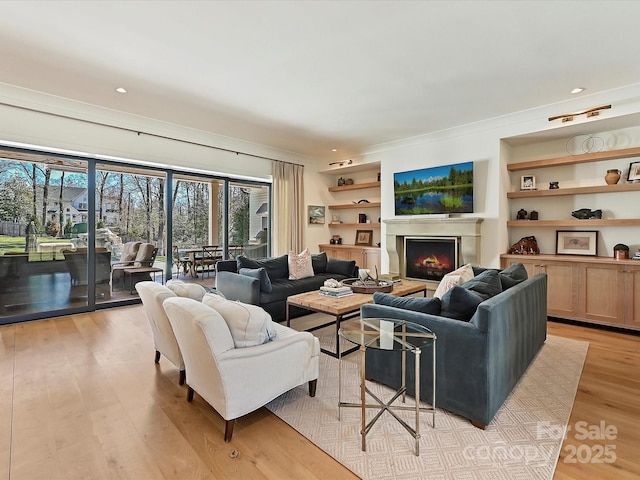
(594, 222)
(355, 186)
(351, 168)
(355, 205)
(624, 187)
(575, 159)
(372, 225)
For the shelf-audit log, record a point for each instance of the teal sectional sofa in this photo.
(479, 361)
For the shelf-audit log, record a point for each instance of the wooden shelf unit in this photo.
(357, 225)
(354, 205)
(624, 187)
(588, 223)
(575, 159)
(355, 186)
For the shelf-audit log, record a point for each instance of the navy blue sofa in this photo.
(478, 362)
(244, 280)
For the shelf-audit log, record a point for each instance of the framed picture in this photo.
(316, 214)
(634, 172)
(576, 243)
(364, 237)
(528, 182)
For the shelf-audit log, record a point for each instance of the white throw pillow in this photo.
(300, 265)
(249, 325)
(455, 278)
(188, 290)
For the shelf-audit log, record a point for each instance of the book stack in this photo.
(636, 256)
(336, 292)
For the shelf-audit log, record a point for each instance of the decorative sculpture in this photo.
(586, 213)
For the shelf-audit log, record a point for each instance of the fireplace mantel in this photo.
(467, 228)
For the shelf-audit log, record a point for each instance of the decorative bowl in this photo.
(358, 286)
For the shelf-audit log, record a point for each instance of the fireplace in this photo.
(430, 258)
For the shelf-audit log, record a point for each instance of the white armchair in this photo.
(152, 295)
(237, 381)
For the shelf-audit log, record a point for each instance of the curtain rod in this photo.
(139, 132)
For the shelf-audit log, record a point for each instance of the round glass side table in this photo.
(389, 334)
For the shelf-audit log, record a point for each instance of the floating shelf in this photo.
(354, 205)
(355, 186)
(372, 225)
(575, 159)
(595, 222)
(624, 187)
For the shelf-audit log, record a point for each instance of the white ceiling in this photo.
(309, 76)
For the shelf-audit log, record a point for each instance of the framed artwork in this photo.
(576, 242)
(316, 214)
(364, 237)
(528, 182)
(634, 172)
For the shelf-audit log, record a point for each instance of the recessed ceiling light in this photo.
(121, 90)
(577, 90)
(334, 149)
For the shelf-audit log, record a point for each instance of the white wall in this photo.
(483, 143)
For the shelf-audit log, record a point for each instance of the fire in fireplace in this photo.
(430, 258)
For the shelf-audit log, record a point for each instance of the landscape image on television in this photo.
(434, 190)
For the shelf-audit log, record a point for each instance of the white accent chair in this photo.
(237, 381)
(152, 295)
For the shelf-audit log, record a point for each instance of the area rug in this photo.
(522, 442)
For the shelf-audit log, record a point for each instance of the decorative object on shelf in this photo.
(525, 246)
(634, 172)
(553, 186)
(589, 112)
(586, 213)
(521, 215)
(621, 251)
(533, 215)
(335, 218)
(613, 176)
(576, 242)
(340, 182)
(636, 256)
(364, 237)
(528, 182)
(584, 143)
(335, 240)
(364, 200)
(378, 176)
(348, 181)
(342, 163)
(362, 218)
(316, 214)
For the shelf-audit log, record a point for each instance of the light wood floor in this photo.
(82, 398)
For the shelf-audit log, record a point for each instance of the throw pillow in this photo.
(276, 267)
(300, 265)
(460, 303)
(416, 304)
(188, 290)
(249, 325)
(451, 279)
(486, 285)
(319, 262)
(512, 275)
(260, 274)
(341, 267)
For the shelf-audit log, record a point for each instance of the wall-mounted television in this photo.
(435, 190)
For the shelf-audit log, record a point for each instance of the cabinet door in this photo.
(602, 293)
(357, 254)
(530, 265)
(632, 296)
(372, 260)
(562, 288)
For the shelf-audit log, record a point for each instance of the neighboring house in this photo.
(75, 205)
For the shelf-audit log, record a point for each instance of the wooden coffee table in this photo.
(344, 308)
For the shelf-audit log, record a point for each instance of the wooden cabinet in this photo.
(365, 257)
(591, 289)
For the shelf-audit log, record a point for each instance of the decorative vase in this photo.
(340, 181)
(612, 177)
(621, 254)
(348, 181)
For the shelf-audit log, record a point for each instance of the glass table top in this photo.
(386, 333)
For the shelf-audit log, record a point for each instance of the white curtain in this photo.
(288, 208)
